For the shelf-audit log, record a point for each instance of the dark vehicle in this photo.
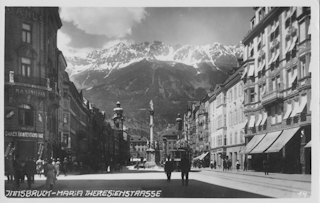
(176, 156)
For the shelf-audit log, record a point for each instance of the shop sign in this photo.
(27, 91)
(10, 114)
(23, 134)
(25, 12)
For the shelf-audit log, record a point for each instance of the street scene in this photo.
(204, 183)
(160, 102)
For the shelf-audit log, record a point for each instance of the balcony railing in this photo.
(272, 96)
(17, 78)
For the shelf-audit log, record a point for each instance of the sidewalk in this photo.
(279, 176)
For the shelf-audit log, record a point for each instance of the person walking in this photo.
(238, 165)
(185, 168)
(28, 169)
(168, 168)
(245, 164)
(51, 174)
(214, 164)
(58, 166)
(229, 164)
(18, 171)
(211, 164)
(9, 169)
(65, 166)
(225, 164)
(265, 166)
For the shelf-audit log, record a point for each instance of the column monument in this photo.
(151, 152)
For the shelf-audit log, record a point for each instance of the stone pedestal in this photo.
(151, 158)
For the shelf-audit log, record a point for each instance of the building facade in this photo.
(31, 76)
(277, 86)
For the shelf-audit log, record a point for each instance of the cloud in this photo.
(117, 41)
(111, 22)
(68, 51)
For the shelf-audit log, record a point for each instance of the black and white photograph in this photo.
(160, 101)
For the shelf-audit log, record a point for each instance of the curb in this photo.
(279, 178)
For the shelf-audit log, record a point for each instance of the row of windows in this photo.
(236, 116)
(233, 138)
(235, 92)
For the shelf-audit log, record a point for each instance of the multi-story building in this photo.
(139, 145)
(218, 116)
(63, 115)
(31, 77)
(277, 86)
(78, 112)
(235, 117)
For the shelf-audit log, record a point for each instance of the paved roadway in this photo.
(202, 184)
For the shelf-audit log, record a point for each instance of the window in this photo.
(230, 137)
(26, 115)
(279, 84)
(65, 118)
(273, 116)
(236, 137)
(241, 137)
(279, 113)
(273, 81)
(302, 31)
(240, 89)
(235, 92)
(26, 33)
(251, 98)
(231, 95)
(25, 67)
(302, 67)
(65, 92)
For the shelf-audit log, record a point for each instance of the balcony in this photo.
(272, 96)
(17, 78)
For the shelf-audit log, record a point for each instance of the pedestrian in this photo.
(9, 169)
(28, 169)
(18, 171)
(45, 163)
(238, 165)
(58, 166)
(185, 168)
(39, 165)
(245, 164)
(225, 164)
(265, 166)
(168, 168)
(51, 174)
(229, 164)
(214, 164)
(65, 166)
(75, 166)
(34, 167)
(211, 164)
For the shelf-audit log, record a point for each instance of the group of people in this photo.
(16, 170)
(184, 167)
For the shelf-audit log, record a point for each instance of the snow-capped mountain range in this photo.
(122, 55)
(137, 73)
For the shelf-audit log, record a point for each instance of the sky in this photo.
(94, 28)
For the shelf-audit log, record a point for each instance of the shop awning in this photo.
(309, 30)
(265, 116)
(266, 142)
(262, 65)
(259, 119)
(308, 145)
(289, 109)
(251, 70)
(251, 122)
(253, 142)
(302, 104)
(203, 155)
(245, 123)
(244, 73)
(287, 47)
(285, 136)
(310, 65)
(295, 108)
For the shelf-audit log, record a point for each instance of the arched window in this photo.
(26, 115)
